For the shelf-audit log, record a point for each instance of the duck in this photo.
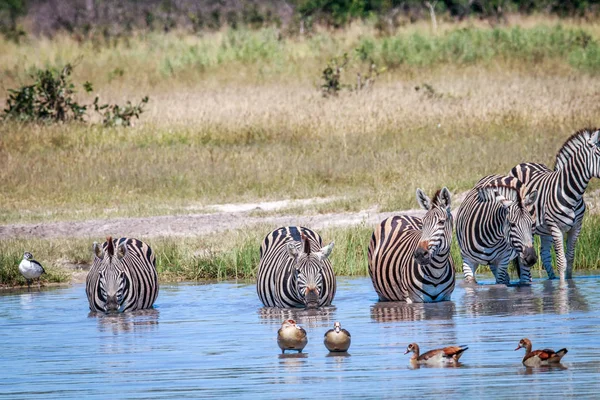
(30, 269)
(337, 339)
(291, 336)
(539, 358)
(447, 355)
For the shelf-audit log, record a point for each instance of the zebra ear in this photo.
(97, 250)
(423, 200)
(530, 198)
(326, 251)
(121, 250)
(444, 198)
(292, 249)
(594, 138)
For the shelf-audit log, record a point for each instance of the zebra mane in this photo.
(571, 145)
(435, 200)
(110, 249)
(305, 242)
(510, 191)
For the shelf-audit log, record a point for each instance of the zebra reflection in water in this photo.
(309, 317)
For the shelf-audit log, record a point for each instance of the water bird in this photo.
(291, 337)
(337, 339)
(447, 355)
(539, 358)
(30, 269)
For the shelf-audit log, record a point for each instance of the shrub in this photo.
(51, 99)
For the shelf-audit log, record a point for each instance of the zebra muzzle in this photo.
(311, 298)
(529, 256)
(421, 255)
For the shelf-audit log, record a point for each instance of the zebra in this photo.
(294, 269)
(123, 276)
(559, 204)
(495, 224)
(409, 258)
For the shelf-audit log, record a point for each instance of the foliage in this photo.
(115, 115)
(51, 99)
(332, 74)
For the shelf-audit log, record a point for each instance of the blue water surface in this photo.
(215, 340)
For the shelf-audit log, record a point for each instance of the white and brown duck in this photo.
(291, 336)
(447, 355)
(539, 358)
(337, 339)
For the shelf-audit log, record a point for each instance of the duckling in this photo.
(291, 337)
(447, 355)
(538, 358)
(337, 339)
(30, 268)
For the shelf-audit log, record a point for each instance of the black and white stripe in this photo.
(294, 269)
(123, 276)
(560, 206)
(494, 225)
(409, 258)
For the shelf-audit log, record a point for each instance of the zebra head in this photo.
(112, 279)
(520, 222)
(436, 233)
(308, 267)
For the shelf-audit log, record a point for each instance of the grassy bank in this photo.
(237, 116)
(235, 254)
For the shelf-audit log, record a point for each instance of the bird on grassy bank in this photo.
(291, 336)
(337, 339)
(539, 358)
(447, 355)
(30, 269)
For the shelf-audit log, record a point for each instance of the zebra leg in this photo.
(559, 251)
(572, 236)
(502, 274)
(469, 269)
(546, 255)
(524, 272)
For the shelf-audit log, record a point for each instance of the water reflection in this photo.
(136, 321)
(310, 318)
(541, 370)
(414, 365)
(401, 311)
(554, 297)
(562, 297)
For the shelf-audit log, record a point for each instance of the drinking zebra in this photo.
(409, 258)
(494, 224)
(123, 276)
(560, 206)
(294, 269)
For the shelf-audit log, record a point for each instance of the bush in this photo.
(51, 99)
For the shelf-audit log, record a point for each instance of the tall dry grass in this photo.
(237, 115)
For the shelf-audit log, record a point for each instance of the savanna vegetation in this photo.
(246, 114)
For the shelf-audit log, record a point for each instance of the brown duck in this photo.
(291, 337)
(539, 358)
(447, 355)
(337, 339)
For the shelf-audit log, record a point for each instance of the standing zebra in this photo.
(294, 269)
(560, 206)
(494, 224)
(409, 258)
(122, 280)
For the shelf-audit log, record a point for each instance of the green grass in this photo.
(235, 254)
(237, 116)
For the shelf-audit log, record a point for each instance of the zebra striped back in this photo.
(123, 276)
(294, 269)
(494, 224)
(409, 258)
(559, 205)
